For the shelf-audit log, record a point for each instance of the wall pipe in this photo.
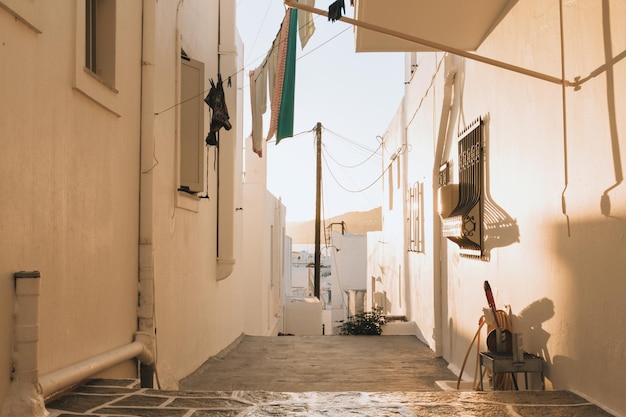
(145, 311)
(442, 152)
(228, 149)
(58, 381)
(435, 45)
(24, 396)
(27, 290)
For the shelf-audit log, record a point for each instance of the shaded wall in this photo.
(70, 186)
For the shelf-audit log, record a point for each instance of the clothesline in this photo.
(204, 92)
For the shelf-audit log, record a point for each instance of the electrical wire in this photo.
(256, 37)
(249, 66)
(398, 151)
(330, 171)
(292, 137)
(353, 142)
(374, 153)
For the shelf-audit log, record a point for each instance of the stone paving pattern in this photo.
(322, 363)
(105, 398)
(317, 376)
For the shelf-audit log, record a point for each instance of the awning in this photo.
(460, 24)
(395, 35)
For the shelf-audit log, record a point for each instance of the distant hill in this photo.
(356, 222)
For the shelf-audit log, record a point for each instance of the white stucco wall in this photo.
(267, 267)
(348, 271)
(557, 262)
(74, 190)
(69, 186)
(196, 314)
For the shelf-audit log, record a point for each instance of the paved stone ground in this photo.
(106, 398)
(323, 376)
(322, 363)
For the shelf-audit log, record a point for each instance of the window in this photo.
(464, 226)
(192, 145)
(100, 39)
(96, 51)
(416, 239)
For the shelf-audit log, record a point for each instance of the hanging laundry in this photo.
(334, 10)
(217, 102)
(279, 77)
(287, 109)
(276, 75)
(307, 27)
(262, 76)
(258, 101)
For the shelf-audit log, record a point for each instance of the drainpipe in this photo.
(441, 153)
(405, 270)
(58, 381)
(145, 311)
(24, 397)
(229, 148)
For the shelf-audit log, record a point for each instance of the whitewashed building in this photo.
(519, 125)
(122, 219)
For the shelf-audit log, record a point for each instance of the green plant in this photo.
(366, 323)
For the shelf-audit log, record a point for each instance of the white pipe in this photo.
(229, 184)
(26, 348)
(145, 313)
(441, 153)
(57, 381)
(24, 395)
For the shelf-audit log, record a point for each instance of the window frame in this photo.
(86, 81)
(192, 149)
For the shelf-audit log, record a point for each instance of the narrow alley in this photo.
(317, 376)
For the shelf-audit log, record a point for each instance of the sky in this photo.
(354, 97)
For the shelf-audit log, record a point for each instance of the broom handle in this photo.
(491, 302)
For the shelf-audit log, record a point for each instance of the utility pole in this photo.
(318, 204)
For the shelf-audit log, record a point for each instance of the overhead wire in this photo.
(256, 37)
(295, 135)
(351, 190)
(371, 153)
(347, 139)
(250, 64)
(327, 155)
(352, 166)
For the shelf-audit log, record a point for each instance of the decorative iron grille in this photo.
(416, 230)
(464, 226)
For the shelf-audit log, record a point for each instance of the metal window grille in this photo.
(416, 239)
(465, 224)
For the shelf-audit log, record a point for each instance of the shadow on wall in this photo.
(530, 321)
(591, 285)
(608, 69)
(500, 229)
